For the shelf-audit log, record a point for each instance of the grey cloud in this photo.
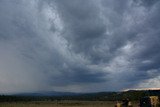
(78, 44)
(120, 24)
(146, 3)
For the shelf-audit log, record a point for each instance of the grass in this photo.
(61, 104)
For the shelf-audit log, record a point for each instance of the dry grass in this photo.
(62, 104)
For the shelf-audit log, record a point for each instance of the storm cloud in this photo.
(76, 45)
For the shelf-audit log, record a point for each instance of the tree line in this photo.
(101, 96)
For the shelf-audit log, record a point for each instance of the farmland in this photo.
(61, 104)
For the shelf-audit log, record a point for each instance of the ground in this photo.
(62, 104)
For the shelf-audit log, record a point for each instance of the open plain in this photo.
(62, 104)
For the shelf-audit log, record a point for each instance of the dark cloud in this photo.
(74, 45)
(146, 3)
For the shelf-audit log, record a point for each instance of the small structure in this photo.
(124, 103)
(149, 101)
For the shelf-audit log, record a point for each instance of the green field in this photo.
(61, 104)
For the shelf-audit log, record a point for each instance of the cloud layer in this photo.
(75, 45)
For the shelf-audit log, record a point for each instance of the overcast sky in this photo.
(79, 45)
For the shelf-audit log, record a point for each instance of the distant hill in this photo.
(133, 95)
(47, 93)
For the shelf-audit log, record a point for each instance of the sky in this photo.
(79, 45)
